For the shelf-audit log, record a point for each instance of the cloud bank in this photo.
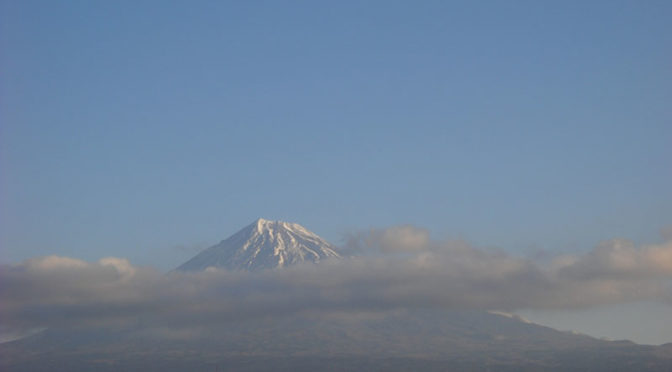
(402, 269)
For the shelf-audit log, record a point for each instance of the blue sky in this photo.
(133, 128)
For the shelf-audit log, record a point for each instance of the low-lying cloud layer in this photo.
(402, 268)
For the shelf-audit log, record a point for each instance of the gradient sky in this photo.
(151, 129)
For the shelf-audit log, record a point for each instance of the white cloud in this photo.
(621, 258)
(400, 239)
(59, 291)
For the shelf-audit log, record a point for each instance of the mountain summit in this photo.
(263, 244)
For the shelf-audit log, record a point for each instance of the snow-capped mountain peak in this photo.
(261, 245)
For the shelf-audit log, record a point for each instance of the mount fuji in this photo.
(261, 245)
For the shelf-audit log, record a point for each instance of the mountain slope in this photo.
(263, 244)
(413, 340)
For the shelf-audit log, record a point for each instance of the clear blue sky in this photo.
(133, 128)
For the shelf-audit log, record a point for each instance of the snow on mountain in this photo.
(263, 244)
